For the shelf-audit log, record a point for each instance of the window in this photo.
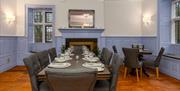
(176, 22)
(42, 25)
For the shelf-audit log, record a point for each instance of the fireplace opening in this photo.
(91, 43)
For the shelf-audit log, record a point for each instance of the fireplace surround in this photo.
(91, 43)
(90, 37)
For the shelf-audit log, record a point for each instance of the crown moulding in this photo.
(101, 0)
(62, 0)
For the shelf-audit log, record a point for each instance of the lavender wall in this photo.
(164, 24)
(150, 43)
(121, 42)
(168, 66)
(22, 49)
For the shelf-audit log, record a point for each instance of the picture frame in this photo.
(81, 18)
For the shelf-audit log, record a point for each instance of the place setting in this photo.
(98, 66)
(91, 60)
(59, 65)
(61, 62)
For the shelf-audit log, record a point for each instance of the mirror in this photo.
(81, 18)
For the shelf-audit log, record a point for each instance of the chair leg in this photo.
(125, 72)
(157, 72)
(137, 75)
(141, 72)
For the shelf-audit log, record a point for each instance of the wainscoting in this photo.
(22, 49)
(170, 67)
(8, 51)
(121, 42)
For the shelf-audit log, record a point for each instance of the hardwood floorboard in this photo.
(17, 79)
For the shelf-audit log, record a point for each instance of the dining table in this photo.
(77, 60)
(145, 52)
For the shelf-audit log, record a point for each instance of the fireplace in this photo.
(91, 37)
(91, 43)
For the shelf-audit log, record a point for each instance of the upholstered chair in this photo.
(52, 53)
(71, 81)
(34, 68)
(134, 45)
(114, 49)
(132, 61)
(102, 55)
(111, 84)
(154, 61)
(43, 58)
(106, 56)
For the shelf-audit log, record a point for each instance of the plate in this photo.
(85, 59)
(59, 65)
(98, 68)
(94, 59)
(93, 64)
(60, 60)
(68, 58)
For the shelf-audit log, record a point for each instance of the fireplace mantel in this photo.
(81, 30)
(83, 33)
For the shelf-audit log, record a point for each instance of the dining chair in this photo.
(106, 56)
(132, 61)
(139, 46)
(111, 84)
(52, 53)
(34, 68)
(153, 61)
(114, 49)
(102, 54)
(134, 45)
(71, 81)
(43, 58)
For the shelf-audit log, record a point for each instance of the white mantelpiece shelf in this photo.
(76, 30)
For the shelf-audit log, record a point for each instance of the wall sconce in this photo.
(10, 18)
(147, 19)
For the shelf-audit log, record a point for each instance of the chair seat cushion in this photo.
(148, 61)
(149, 58)
(102, 85)
(43, 86)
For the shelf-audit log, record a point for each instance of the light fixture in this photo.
(10, 18)
(147, 19)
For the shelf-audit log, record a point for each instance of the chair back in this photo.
(158, 59)
(107, 56)
(33, 67)
(102, 54)
(116, 62)
(134, 46)
(131, 57)
(139, 46)
(52, 53)
(43, 58)
(67, 81)
(114, 49)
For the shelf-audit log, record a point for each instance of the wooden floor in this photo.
(17, 79)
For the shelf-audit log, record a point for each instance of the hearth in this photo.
(91, 43)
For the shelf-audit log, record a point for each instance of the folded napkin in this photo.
(59, 65)
(93, 64)
(98, 66)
